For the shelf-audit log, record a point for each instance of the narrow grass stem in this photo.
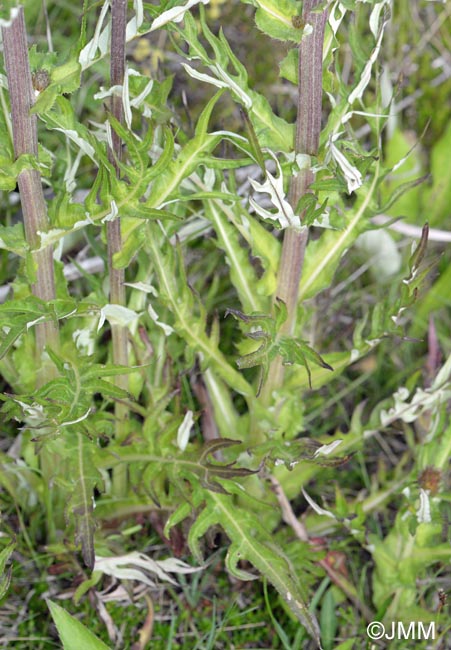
(25, 138)
(114, 239)
(308, 128)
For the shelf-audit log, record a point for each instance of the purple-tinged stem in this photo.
(308, 129)
(25, 138)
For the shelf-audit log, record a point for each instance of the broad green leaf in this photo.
(17, 316)
(272, 131)
(267, 248)
(242, 273)
(322, 256)
(64, 79)
(182, 512)
(299, 352)
(279, 19)
(292, 350)
(12, 238)
(10, 169)
(73, 634)
(289, 67)
(297, 378)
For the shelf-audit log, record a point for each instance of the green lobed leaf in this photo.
(187, 161)
(290, 453)
(250, 541)
(271, 130)
(176, 294)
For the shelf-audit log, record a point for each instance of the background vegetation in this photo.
(184, 519)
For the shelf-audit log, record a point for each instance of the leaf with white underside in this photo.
(316, 507)
(291, 453)
(325, 450)
(272, 130)
(273, 186)
(142, 286)
(167, 329)
(423, 401)
(117, 315)
(378, 34)
(223, 80)
(424, 509)
(184, 430)
(137, 566)
(351, 174)
(175, 14)
(98, 46)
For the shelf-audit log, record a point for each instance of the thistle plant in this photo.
(153, 407)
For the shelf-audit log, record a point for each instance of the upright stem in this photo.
(308, 128)
(117, 276)
(34, 208)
